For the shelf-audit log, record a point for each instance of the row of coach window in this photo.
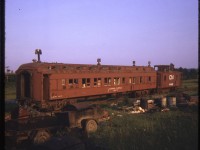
(98, 82)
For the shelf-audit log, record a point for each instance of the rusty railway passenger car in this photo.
(55, 84)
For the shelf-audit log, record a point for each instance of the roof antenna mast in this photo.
(38, 52)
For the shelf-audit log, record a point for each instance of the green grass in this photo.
(10, 94)
(10, 90)
(171, 130)
(190, 87)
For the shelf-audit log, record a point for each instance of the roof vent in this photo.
(149, 63)
(98, 61)
(133, 63)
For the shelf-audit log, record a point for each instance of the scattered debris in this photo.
(7, 117)
(113, 104)
(194, 100)
(136, 103)
(165, 109)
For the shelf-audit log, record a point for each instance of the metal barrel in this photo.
(171, 101)
(144, 104)
(164, 102)
(150, 104)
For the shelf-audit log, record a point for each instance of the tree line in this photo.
(189, 73)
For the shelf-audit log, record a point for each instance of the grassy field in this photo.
(10, 90)
(172, 130)
(176, 129)
(190, 87)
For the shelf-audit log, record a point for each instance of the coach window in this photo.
(116, 81)
(88, 82)
(134, 79)
(63, 82)
(85, 82)
(107, 81)
(70, 83)
(95, 82)
(140, 79)
(99, 82)
(129, 80)
(76, 82)
(123, 80)
(149, 79)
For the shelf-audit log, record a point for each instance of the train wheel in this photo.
(90, 126)
(41, 137)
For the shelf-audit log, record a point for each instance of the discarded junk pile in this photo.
(149, 105)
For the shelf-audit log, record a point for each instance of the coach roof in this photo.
(61, 67)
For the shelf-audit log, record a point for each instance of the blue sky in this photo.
(117, 31)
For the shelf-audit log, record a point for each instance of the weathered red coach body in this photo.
(167, 77)
(46, 82)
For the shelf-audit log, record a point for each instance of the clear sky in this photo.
(117, 31)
